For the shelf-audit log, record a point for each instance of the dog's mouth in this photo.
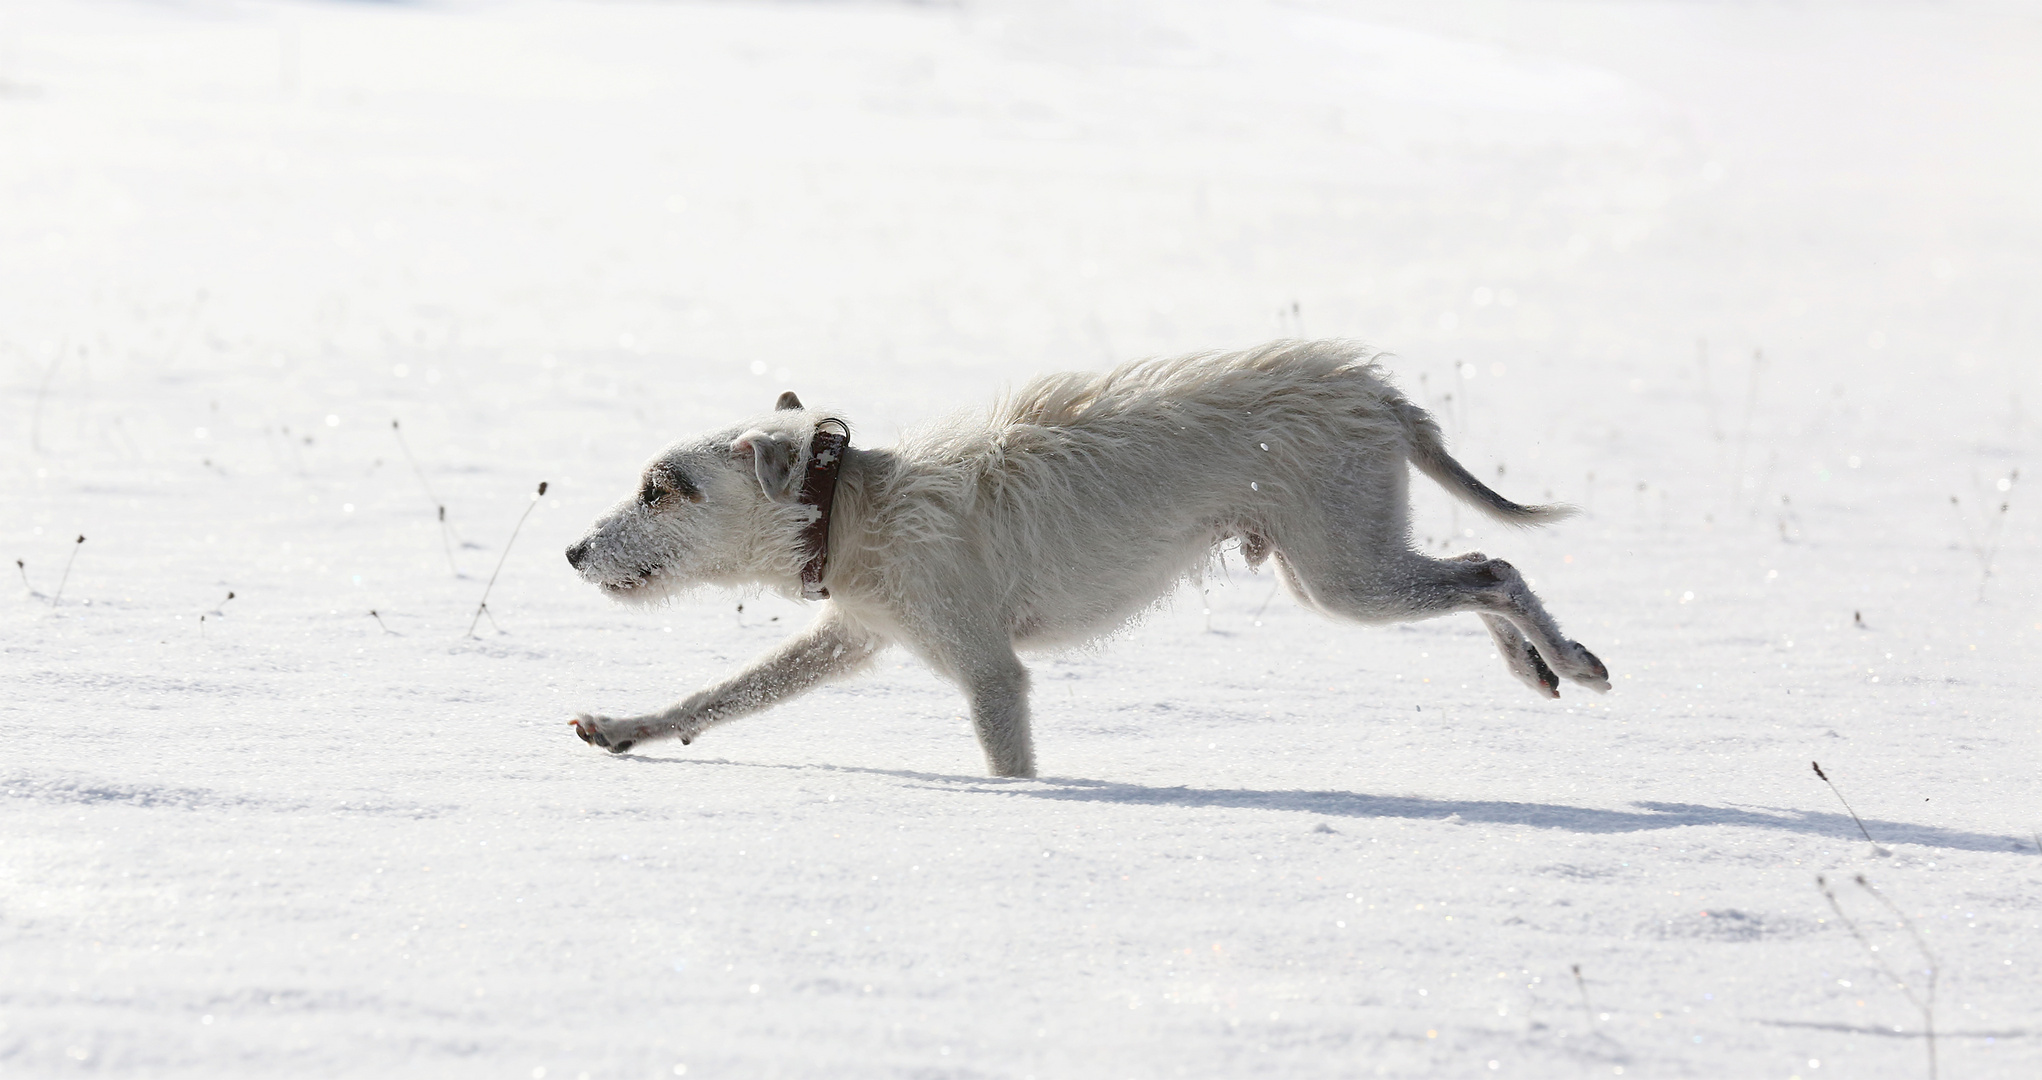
(639, 579)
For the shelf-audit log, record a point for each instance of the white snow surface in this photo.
(1755, 285)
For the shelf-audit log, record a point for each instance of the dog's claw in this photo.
(1595, 666)
(585, 726)
(1549, 683)
(1596, 677)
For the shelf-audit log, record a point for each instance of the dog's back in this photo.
(1294, 380)
(1101, 491)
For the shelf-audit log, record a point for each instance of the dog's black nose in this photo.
(577, 555)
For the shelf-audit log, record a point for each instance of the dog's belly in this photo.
(1055, 610)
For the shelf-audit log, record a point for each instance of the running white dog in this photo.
(1071, 509)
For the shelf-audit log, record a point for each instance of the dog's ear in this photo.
(787, 401)
(773, 458)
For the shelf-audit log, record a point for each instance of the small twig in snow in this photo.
(35, 423)
(1924, 1003)
(67, 570)
(1846, 805)
(1581, 984)
(1985, 547)
(446, 527)
(483, 607)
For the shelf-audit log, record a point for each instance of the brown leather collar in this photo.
(819, 489)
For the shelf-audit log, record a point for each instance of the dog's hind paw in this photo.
(1540, 677)
(1525, 663)
(1531, 669)
(1591, 672)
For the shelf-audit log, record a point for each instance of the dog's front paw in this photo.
(591, 730)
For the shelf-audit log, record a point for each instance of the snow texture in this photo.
(1754, 285)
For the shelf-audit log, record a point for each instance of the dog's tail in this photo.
(1428, 453)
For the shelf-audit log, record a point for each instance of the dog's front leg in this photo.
(826, 650)
(999, 712)
(996, 683)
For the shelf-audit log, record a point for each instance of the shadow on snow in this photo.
(1582, 819)
(1646, 816)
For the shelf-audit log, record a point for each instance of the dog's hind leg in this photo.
(830, 648)
(1498, 590)
(1517, 653)
(1400, 584)
(1523, 660)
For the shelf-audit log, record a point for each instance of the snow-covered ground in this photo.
(1753, 284)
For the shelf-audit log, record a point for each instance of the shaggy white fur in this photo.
(1070, 509)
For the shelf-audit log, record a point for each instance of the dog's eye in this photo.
(667, 483)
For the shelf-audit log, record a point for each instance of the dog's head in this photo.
(724, 509)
